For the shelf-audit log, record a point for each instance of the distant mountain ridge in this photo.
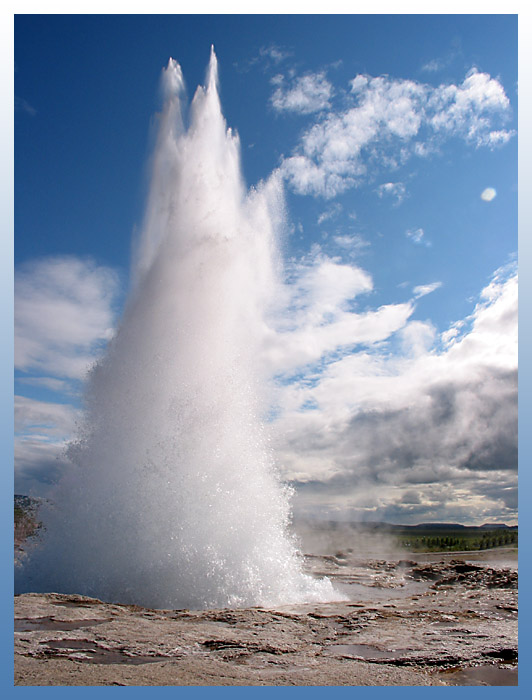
(392, 527)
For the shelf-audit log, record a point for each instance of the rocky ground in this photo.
(428, 620)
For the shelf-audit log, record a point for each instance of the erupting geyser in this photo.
(172, 499)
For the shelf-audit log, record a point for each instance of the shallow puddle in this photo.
(86, 651)
(362, 651)
(375, 592)
(482, 675)
(43, 624)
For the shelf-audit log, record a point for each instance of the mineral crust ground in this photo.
(429, 620)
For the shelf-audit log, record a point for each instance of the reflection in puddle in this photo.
(374, 592)
(84, 650)
(482, 675)
(43, 624)
(362, 651)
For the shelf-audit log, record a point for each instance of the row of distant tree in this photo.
(460, 541)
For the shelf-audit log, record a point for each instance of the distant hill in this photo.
(435, 526)
(496, 526)
(392, 528)
(424, 537)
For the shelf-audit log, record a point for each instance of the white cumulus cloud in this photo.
(360, 434)
(304, 94)
(321, 317)
(390, 121)
(488, 194)
(64, 315)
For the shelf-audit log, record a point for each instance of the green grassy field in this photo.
(458, 540)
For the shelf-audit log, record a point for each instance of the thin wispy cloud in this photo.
(268, 58)
(424, 289)
(63, 386)
(330, 213)
(434, 65)
(437, 64)
(275, 53)
(22, 105)
(417, 235)
(351, 243)
(395, 190)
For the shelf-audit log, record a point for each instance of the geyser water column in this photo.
(173, 499)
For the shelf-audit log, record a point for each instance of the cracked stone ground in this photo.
(447, 621)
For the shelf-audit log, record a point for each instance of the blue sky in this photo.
(395, 136)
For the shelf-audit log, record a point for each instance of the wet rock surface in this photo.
(446, 621)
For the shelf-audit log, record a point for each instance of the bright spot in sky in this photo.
(488, 194)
